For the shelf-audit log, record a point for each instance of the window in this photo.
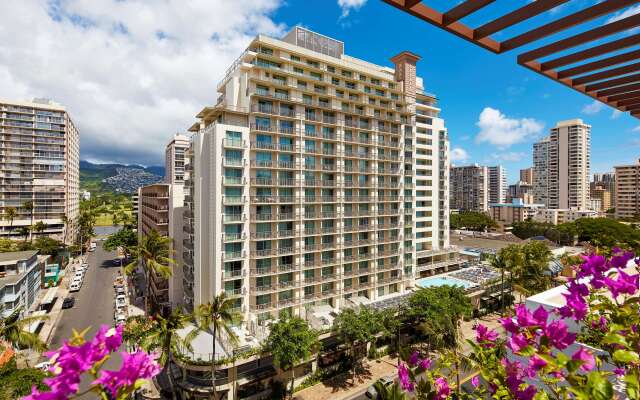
(294, 58)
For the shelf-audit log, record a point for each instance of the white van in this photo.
(92, 246)
(75, 286)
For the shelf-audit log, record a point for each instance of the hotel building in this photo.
(39, 163)
(317, 179)
(469, 188)
(497, 184)
(627, 192)
(174, 159)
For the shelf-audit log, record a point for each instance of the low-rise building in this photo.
(516, 211)
(20, 280)
(557, 216)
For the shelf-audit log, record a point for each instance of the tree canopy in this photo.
(528, 265)
(472, 220)
(125, 238)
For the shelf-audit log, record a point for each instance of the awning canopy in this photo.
(612, 79)
(33, 327)
(49, 296)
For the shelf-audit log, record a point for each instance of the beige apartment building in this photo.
(603, 197)
(469, 188)
(317, 181)
(39, 163)
(627, 193)
(497, 184)
(557, 216)
(526, 175)
(516, 211)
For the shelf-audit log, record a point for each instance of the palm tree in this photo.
(13, 330)
(152, 251)
(163, 336)
(24, 231)
(10, 214)
(391, 392)
(29, 207)
(39, 227)
(217, 318)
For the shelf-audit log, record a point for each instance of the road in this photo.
(93, 306)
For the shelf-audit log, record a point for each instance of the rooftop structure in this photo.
(20, 277)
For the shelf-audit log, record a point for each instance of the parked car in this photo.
(75, 286)
(372, 393)
(120, 301)
(68, 302)
(93, 246)
(120, 290)
(120, 318)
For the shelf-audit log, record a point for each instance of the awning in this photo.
(33, 327)
(49, 296)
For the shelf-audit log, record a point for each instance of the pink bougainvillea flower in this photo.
(509, 325)
(475, 381)
(425, 363)
(517, 342)
(624, 284)
(442, 388)
(485, 336)
(588, 361)
(536, 363)
(414, 358)
(559, 335)
(403, 377)
(524, 317)
(138, 365)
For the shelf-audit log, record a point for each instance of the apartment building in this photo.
(541, 171)
(521, 190)
(606, 181)
(40, 161)
(497, 184)
(469, 188)
(602, 197)
(20, 278)
(317, 180)
(557, 216)
(174, 159)
(516, 211)
(627, 192)
(526, 175)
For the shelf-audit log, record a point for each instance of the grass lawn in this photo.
(106, 219)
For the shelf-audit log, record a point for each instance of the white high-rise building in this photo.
(497, 184)
(469, 188)
(564, 158)
(316, 180)
(41, 167)
(174, 159)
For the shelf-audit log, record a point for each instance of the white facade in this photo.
(497, 184)
(20, 279)
(317, 178)
(175, 158)
(560, 216)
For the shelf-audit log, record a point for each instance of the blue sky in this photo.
(467, 79)
(134, 72)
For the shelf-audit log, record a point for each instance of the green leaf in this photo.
(599, 388)
(615, 338)
(633, 388)
(625, 356)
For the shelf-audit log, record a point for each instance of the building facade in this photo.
(20, 280)
(497, 184)
(469, 188)
(175, 158)
(541, 171)
(516, 211)
(627, 191)
(607, 181)
(526, 175)
(602, 196)
(41, 166)
(557, 216)
(521, 190)
(316, 180)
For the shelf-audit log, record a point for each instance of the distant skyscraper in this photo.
(469, 188)
(174, 159)
(541, 171)
(526, 175)
(41, 164)
(607, 181)
(497, 184)
(562, 160)
(628, 190)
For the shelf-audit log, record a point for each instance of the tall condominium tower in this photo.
(566, 162)
(541, 171)
(40, 165)
(526, 175)
(469, 188)
(627, 191)
(497, 184)
(317, 179)
(174, 159)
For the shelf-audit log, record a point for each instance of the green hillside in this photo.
(92, 176)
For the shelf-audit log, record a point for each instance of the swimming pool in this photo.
(443, 280)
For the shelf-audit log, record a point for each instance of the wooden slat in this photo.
(628, 102)
(566, 22)
(610, 73)
(411, 3)
(463, 9)
(600, 64)
(619, 89)
(593, 52)
(581, 38)
(516, 16)
(634, 107)
(623, 96)
(613, 82)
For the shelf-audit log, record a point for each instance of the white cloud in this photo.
(131, 73)
(348, 5)
(459, 154)
(592, 108)
(508, 156)
(636, 129)
(499, 130)
(633, 10)
(616, 114)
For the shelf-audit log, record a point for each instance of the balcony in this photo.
(233, 143)
(230, 237)
(233, 180)
(232, 217)
(232, 255)
(232, 199)
(235, 273)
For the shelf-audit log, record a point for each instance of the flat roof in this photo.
(14, 256)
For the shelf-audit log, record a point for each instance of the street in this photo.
(93, 306)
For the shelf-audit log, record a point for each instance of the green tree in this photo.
(357, 328)
(153, 254)
(161, 335)
(10, 214)
(528, 266)
(217, 318)
(47, 245)
(472, 220)
(391, 392)
(7, 245)
(437, 312)
(290, 342)
(39, 227)
(13, 330)
(18, 382)
(29, 207)
(24, 231)
(125, 238)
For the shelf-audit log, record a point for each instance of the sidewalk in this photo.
(342, 387)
